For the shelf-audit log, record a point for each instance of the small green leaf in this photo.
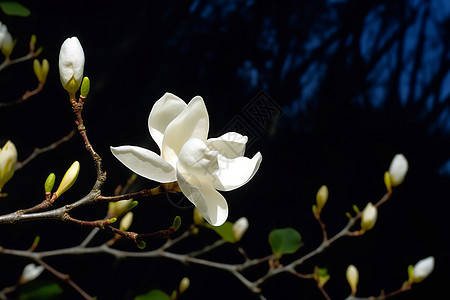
(284, 241)
(225, 231)
(85, 87)
(176, 223)
(153, 295)
(38, 291)
(14, 9)
(49, 183)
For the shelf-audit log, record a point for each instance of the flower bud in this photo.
(352, 275)
(71, 65)
(423, 269)
(30, 272)
(3, 31)
(116, 209)
(184, 285)
(126, 221)
(8, 161)
(69, 178)
(398, 169)
(369, 217)
(239, 228)
(7, 44)
(321, 197)
(41, 71)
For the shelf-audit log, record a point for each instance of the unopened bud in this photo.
(422, 269)
(352, 275)
(118, 208)
(184, 285)
(398, 169)
(239, 228)
(69, 178)
(126, 221)
(30, 272)
(8, 161)
(369, 217)
(321, 197)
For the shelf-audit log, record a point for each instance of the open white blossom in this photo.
(8, 161)
(398, 169)
(30, 272)
(71, 65)
(423, 269)
(200, 165)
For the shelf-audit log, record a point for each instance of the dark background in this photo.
(356, 82)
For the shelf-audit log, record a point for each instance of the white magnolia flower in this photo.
(369, 217)
(30, 272)
(71, 64)
(200, 165)
(352, 275)
(398, 169)
(8, 161)
(423, 269)
(240, 227)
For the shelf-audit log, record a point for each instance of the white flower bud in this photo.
(369, 217)
(423, 269)
(126, 221)
(71, 65)
(398, 169)
(3, 31)
(115, 209)
(8, 161)
(30, 272)
(240, 227)
(352, 275)
(7, 45)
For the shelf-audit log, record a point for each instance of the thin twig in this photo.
(38, 151)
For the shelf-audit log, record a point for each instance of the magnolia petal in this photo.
(230, 144)
(167, 108)
(236, 172)
(145, 163)
(211, 204)
(197, 160)
(192, 122)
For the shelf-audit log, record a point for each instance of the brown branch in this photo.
(64, 277)
(38, 151)
(25, 96)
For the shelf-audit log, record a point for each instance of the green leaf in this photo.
(284, 241)
(38, 291)
(153, 295)
(14, 9)
(225, 231)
